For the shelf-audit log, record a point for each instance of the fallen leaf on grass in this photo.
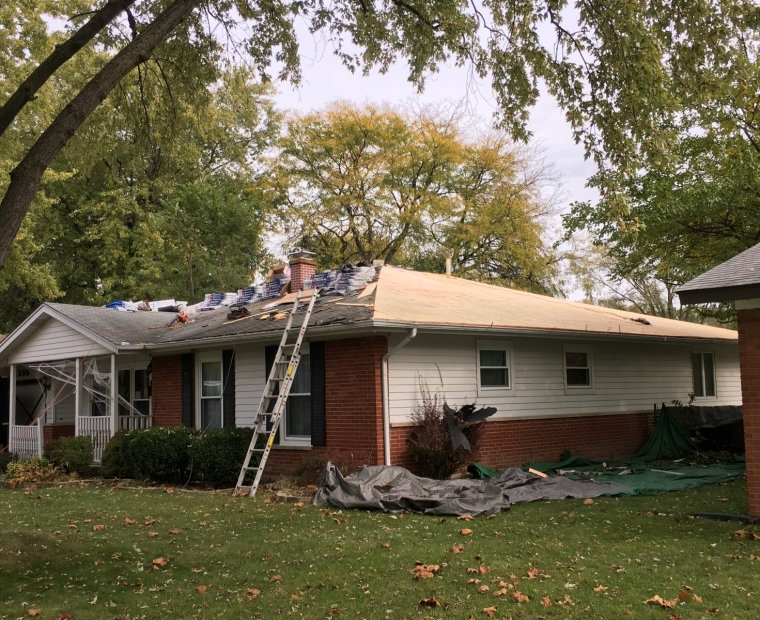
(252, 594)
(87, 521)
(740, 534)
(174, 530)
(385, 545)
(533, 573)
(483, 589)
(149, 522)
(501, 592)
(658, 600)
(152, 534)
(466, 517)
(159, 562)
(457, 549)
(465, 532)
(64, 615)
(601, 588)
(276, 578)
(57, 533)
(128, 521)
(499, 533)
(490, 611)
(515, 580)
(519, 597)
(588, 501)
(564, 601)
(429, 602)
(98, 528)
(170, 490)
(687, 594)
(722, 499)
(33, 612)
(480, 570)
(203, 524)
(424, 571)
(201, 589)
(298, 505)
(675, 617)
(546, 601)
(474, 581)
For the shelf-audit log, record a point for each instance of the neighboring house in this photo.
(738, 280)
(563, 375)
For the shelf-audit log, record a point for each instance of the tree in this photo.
(355, 185)
(622, 70)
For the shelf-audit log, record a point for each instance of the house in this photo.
(738, 280)
(563, 375)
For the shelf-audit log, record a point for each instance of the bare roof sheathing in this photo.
(417, 298)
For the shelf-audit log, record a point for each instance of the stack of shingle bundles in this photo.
(122, 306)
(358, 278)
(324, 280)
(273, 288)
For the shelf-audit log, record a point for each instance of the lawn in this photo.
(202, 555)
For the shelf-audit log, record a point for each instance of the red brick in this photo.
(749, 363)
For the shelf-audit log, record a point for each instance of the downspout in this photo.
(384, 378)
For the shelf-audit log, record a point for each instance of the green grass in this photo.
(333, 565)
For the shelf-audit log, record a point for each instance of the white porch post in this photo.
(12, 404)
(114, 396)
(77, 397)
(41, 432)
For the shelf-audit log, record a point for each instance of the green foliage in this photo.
(6, 457)
(218, 455)
(32, 470)
(359, 184)
(72, 454)
(159, 453)
(114, 463)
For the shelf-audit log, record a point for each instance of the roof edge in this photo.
(719, 294)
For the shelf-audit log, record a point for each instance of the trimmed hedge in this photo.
(6, 457)
(218, 455)
(113, 463)
(73, 454)
(159, 453)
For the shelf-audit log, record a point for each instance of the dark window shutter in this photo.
(318, 430)
(270, 353)
(228, 395)
(187, 389)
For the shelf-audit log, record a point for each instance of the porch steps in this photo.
(275, 398)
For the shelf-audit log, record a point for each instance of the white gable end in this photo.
(55, 341)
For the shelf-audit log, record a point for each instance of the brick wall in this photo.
(511, 443)
(50, 432)
(353, 404)
(300, 269)
(749, 362)
(166, 394)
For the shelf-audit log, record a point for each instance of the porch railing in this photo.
(135, 422)
(24, 441)
(99, 428)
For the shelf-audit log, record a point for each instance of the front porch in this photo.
(83, 396)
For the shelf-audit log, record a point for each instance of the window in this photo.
(703, 373)
(578, 362)
(297, 422)
(494, 367)
(134, 389)
(210, 375)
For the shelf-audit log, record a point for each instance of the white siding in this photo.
(55, 341)
(250, 368)
(627, 376)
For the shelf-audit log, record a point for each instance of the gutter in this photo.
(384, 379)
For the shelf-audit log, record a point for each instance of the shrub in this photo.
(113, 462)
(159, 453)
(6, 457)
(310, 469)
(430, 441)
(34, 470)
(72, 454)
(217, 455)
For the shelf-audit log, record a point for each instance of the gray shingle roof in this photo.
(737, 278)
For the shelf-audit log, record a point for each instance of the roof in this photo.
(400, 298)
(737, 278)
(416, 298)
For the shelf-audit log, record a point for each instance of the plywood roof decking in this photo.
(417, 298)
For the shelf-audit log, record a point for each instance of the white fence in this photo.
(25, 441)
(135, 422)
(99, 428)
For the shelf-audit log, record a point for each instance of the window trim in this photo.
(200, 358)
(132, 368)
(701, 353)
(495, 345)
(578, 348)
(297, 440)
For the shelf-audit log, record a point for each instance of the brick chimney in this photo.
(302, 266)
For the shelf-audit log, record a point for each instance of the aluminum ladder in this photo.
(276, 390)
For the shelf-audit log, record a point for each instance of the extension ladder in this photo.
(276, 391)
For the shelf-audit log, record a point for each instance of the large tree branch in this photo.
(26, 177)
(63, 52)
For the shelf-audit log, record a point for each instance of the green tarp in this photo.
(658, 467)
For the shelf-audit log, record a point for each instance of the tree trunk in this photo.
(26, 177)
(63, 52)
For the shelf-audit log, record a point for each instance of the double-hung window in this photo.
(494, 367)
(211, 383)
(134, 392)
(578, 367)
(703, 373)
(297, 422)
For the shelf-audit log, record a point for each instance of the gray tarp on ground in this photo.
(394, 489)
